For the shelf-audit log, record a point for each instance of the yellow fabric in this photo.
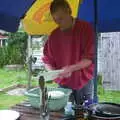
(38, 20)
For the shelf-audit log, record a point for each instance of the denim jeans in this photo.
(79, 96)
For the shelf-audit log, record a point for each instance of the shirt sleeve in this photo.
(88, 43)
(47, 55)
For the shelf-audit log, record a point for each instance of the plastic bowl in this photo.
(54, 104)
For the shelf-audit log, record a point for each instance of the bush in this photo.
(15, 52)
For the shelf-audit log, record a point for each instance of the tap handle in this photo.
(46, 94)
(41, 83)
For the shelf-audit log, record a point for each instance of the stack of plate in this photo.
(50, 75)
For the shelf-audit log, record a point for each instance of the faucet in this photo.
(44, 114)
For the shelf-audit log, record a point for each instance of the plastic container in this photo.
(54, 104)
(68, 109)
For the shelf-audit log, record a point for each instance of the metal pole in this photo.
(29, 61)
(96, 47)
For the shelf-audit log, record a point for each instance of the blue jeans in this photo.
(79, 96)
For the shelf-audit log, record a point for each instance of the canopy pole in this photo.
(29, 61)
(96, 50)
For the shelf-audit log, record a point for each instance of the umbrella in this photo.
(104, 16)
(11, 12)
(38, 19)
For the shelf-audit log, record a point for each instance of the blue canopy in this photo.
(107, 14)
(105, 17)
(108, 17)
(11, 11)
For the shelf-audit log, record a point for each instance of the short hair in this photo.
(56, 4)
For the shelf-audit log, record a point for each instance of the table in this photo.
(29, 113)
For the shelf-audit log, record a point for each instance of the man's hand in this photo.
(67, 72)
(49, 67)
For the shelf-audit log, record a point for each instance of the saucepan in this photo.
(104, 111)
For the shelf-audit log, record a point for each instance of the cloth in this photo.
(64, 48)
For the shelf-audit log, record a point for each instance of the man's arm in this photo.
(84, 63)
(68, 70)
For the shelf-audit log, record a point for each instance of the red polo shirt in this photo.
(64, 48)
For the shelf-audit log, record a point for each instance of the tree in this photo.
(15, 52)
(18, 44)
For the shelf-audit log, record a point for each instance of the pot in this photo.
(104, 111)
(94, 117)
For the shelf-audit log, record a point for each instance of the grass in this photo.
(6, 101)
(108, 95)
(8, 78)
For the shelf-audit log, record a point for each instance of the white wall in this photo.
(109, 60)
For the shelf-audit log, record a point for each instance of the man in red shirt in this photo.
(71, 47)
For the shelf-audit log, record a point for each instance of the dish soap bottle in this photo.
(68, 109)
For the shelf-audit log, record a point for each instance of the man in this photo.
(71, 47)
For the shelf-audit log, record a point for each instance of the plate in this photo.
(9, 115)
(55, 94)
(50, 75)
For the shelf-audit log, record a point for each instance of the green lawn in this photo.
(8, 78)
(108, 96)
(6, 101)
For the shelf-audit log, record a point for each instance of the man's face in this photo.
(62, 18)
